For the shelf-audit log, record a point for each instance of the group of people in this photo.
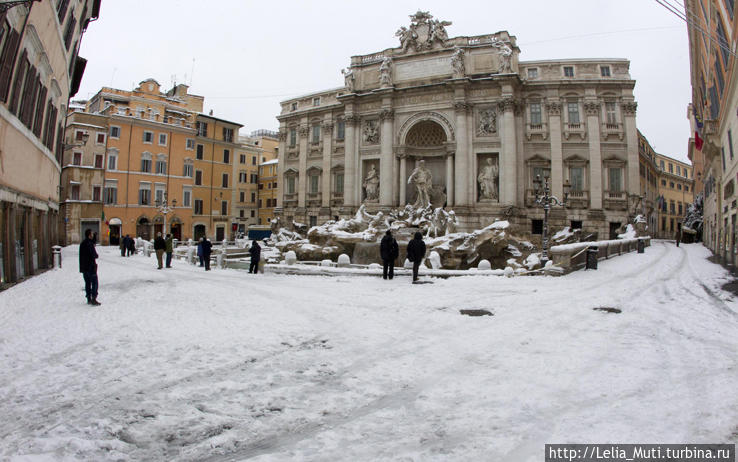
(127, 246)
(389, 251)
(162, 245)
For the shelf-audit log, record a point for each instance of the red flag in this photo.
(698, 142)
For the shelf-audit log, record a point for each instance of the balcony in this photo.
(616, 200)
(536, 129)
(576, 129)
(578, 200)
(612, 129)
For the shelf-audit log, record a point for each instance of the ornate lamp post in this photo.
(164, 208)
(546, 200)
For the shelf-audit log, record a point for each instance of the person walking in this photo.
(389, 251)
(678, 235)
(169, 249)
(206, 249)
(131, 245)
(255, 252)
(88, 267)
(159, 246)
(199, 252)
(416, 253)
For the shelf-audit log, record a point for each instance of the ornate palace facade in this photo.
(483, 124)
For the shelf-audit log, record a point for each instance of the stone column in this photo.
(325, 201)
(449, 178)
(592, 108)
(508, 161)
(280, 169)
(304, 132)
(386, 177)
(349, 174)
(557, 157)
(403, 180)
(631, 136)
(461, 159)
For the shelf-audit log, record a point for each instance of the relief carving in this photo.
(423, 32)
(592, 108)
(371, 132)
(629, 108)
(487, 122)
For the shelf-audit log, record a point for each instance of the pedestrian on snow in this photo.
(199, 252)
(389, 251)
(255, 252)
(160, 246)
(123, 246)
(169, 249)
(416, 253)
(678, 235)
(88, 267)
(206, 249)
(131, 245)
(94, 238)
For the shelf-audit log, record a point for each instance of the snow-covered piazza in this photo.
(183, 364)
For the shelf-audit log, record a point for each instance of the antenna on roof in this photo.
(113, 76)
(193, 70)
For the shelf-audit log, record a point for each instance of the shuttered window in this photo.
(7, 58)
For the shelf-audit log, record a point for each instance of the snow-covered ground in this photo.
(181, 364)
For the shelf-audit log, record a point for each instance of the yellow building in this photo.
(676, 192)
(268, 190)
(40, 69)
(649, 176)
(246, 172)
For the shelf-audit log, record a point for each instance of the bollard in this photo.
(220, 261)
(56, 250)
(641, 245)
(591, 261)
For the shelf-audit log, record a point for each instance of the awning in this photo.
(115, 221)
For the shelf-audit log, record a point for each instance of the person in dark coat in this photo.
(206, 249)
(88, 267)
(131, 245)
(169, 249)
(416, 253)
(678, 235)
(389, 251)
(199, 252)
(255, 252)
(160, 246)
(123, 246)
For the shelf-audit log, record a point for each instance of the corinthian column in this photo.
(304, 132)
(386, 177)
(557, 157)
(631, 137)
(403, 180)
(327, 147)
(595, 154)
(280, 169)
(508, 162)
(349, 184)
(461, 177)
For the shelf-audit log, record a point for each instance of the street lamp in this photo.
(164, 208)
(546, 200)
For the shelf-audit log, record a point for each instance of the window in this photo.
(198, 207)
(186, 197)
(536, 226)
(291, 185)
(112, 161)
(146, 162)
(293, 137)
(200, 155)
(671, 184)
(611, 113)
(616, 184)
(241, 196)
(576, 179)
(144, 194)
(672, 207)
(162, 139)
(314, 181)
(224, 208)
(316, 134)
(159, 192)
(242, 159)
(605, 71)
(74, 192)
(253, 160)
(573, 111)
(671, 168)
(535, 113)
(77, 158)
(253, 197)
(148, 137)
(198, 177)
(98, 161)
(228, 135)
(340, 129)
(111, 192)
(681, 210)
(686, 188)
(254, 178)
(188, 169)
(225, 180)
(261, 186)
(313, 220)
(114, 132)
(542, 172)
(679, 186)
(241, 213)
(226, 156)
(662, 164)
(161, 165)
(259, 203)
(568, 71)
(293, 106)
(252, 214)
(730, 146)
(69, 31)
(190, 144)
(533, 73)
(679, 168)
(339, 183)
(576, 224)
(100, 139)
(316, 101)
(202, 128)
(242, 177)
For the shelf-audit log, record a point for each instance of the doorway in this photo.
(114, 234)
(199, 232)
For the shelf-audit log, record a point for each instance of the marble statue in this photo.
(487, 122)
(505, 57)
(423, 181)
(407, 37)
(457, 62)
(487, 179)
(348, 78)
(385, 72)
(371, 184)
(371, 132)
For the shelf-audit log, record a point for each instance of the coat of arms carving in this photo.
(423, 33)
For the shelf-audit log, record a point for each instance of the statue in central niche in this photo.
(423, 181)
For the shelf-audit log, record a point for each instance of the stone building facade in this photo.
(462, 123)
(39, 70)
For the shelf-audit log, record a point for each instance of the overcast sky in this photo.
(247, 56)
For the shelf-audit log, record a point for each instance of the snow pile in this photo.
(630, 233)
(562, 235)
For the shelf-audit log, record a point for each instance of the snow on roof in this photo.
(270, 162)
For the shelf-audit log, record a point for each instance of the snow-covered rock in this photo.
(484, 265)
(435, 260)
(290, 258)
(343, 260)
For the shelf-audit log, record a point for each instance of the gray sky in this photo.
(250, 55)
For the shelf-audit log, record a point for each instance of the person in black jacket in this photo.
(255, 252)
(88, 267)
(206, 249)
(131, 246)
(160, 245)
(389, 251)
(416, 253)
